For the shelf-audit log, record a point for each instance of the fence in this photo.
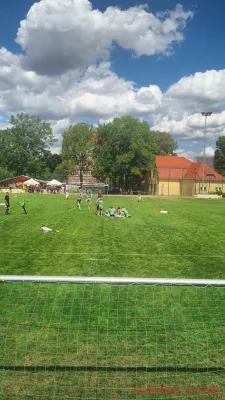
(111, 338)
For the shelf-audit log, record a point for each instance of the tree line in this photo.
(122, 151)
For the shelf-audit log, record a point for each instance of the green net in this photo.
(96, 341)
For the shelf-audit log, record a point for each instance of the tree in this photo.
(77, 148)
(31, 134)
(4, 145)
(24, 144)
(124, 152)
(219, 156)
(52, 160)
(63, 170)
(165, 144)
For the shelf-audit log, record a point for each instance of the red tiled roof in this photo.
(172, 162)
(174, 167)
(15, 179)
(171, 173)
(195, 172)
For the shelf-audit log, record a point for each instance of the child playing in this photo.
(97, 206)
(67, 195)
(124, 212)
(100, 204)
(112, 212)
(89, 204)
(45, 229)
(22, 204)
(139, 197)
(78, 203)
(108, 211)
(7, 203)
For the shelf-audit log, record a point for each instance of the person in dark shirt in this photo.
(7, 203)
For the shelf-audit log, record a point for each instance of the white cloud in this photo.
(191, 155)
(63, 35)
(58, 128)
(65, 73)
(96, 93)
(192, 126)
(105, 121)
(202, 91)
(209, 151)
(99, 94)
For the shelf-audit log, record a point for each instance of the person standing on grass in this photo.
(7, 204)
(100, 204)
(78, 203)
(139, 197)
(67, 195)
(97, 206)
(89, 204)
(99, 194)
(22, 204)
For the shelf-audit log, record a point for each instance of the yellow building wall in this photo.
(210, 186)
(188, 188)
(171, 188)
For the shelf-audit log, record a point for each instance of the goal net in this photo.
(95, 340)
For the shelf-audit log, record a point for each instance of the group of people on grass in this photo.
(111, 212)
(117, 212)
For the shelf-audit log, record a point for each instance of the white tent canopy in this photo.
(54, 182)
(31, 182)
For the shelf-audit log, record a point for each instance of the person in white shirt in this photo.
(45, 229)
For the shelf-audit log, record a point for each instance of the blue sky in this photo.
(201, 49)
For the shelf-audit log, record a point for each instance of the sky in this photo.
(75, 60)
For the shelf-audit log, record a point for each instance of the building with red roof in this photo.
(177, 176)
(13, 181)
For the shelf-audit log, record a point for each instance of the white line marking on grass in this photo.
(117, 254)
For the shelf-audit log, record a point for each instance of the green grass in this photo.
(61, 341)
(186, 243)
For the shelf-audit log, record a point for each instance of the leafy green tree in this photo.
(37, 168)
(219, 156)
(23, 145)
(63, 170)
(165, 144)
(4, 173)
(124, 152)
(77, 148)
(31, 134)
(51, 160)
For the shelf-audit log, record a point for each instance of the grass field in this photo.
(103, 342)
(188, 242)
